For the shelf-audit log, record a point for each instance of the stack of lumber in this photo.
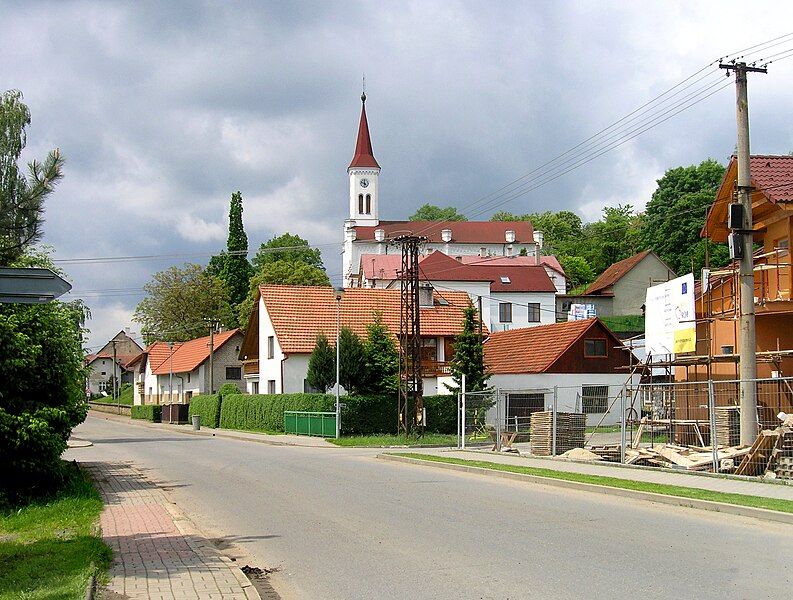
(673, 456)
(570, 431)
(766, 454)
(728, 425)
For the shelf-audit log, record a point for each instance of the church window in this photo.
(360, 203)
(368, 204)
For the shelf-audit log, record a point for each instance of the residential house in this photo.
(510, 294)
(101, 367)
(719, 299)
(286, 321)
(365, 233)
(621, 289)
(174, 373)
(583, 362)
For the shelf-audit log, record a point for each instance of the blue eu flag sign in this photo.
(685, 287)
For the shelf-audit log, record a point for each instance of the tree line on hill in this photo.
(670, 225)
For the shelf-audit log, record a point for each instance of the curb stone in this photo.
(709, 505)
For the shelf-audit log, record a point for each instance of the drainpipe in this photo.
(282, 372)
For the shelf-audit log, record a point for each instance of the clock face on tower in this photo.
(364, 183)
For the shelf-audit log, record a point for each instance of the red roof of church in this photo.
(363, 146)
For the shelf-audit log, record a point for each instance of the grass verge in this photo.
(386, 440)
(48, 549)
(615, 482)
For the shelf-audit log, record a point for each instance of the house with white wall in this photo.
(174, 373)
(101, 370)
(286, 321)
(511, 294)
(582, 362)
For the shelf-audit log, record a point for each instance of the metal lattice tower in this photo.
(410, 406)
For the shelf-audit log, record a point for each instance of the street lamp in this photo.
(170, 384)
(339, 294)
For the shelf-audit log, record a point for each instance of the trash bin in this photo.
(196, 422)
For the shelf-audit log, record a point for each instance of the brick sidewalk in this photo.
(153, 557)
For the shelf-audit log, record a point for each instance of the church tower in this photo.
(364, 172)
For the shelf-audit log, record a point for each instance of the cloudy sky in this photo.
(164, 109)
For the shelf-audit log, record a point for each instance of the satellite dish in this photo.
(30, 286)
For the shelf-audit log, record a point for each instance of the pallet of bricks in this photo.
(570, 432)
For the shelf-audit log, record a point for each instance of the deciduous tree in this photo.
(180, 302)
(287, 247)
(469, 356)
(430, 212)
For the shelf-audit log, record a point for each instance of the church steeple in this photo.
(364, 158)
(364, 172)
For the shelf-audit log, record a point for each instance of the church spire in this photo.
(364, 158)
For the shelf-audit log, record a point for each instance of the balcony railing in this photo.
(435, 368)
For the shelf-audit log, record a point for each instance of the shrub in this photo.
(147, 412)
(365, 415)
(265, 412)
(441, 413)
(227, 389)
(207, 407)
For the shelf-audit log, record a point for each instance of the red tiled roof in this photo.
(465, 232)
(772, 180)
(532, 349)
(547, 261)
(187, 356)
(380, 266)
(363, 146)
(437, 266)
(615, 272)
(300, 313)
(772, 175)
(158, 352)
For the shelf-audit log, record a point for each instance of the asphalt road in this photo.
(341, 524)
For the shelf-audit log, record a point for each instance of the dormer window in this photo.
(505, 279)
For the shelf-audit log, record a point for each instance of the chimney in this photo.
(509, 235)
(446, 235)
(379, 235)
(425, 295)
(538, 237)
(482, 252)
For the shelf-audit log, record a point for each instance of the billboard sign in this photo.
(670, 325)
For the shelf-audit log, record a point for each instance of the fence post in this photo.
(459, 404)
(463, 415)
(714, 443)
(553, 420)
(498, 421)
(622, 425)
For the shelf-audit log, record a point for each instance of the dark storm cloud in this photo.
(164, 109)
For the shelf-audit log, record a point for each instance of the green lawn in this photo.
(125, 397)
(385, 440)
(624, 323)
(47, 548)
(628, 484)
(603, 429)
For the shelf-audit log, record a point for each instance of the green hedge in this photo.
(208, 407)
(147, 412)
(265, 412)
(361, 415)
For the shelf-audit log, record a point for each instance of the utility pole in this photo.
(747, 337)
(211, 357)
(116, 398)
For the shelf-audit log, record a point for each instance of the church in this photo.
(365, 235)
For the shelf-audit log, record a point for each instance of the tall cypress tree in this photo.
(469, 356)
(235, 269)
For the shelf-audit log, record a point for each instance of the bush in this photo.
(147, 412)
(265, 412)
(42, 394)
(441, 413)
(227, 389)
(207, 407)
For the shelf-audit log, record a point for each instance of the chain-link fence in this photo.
(693, 425)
